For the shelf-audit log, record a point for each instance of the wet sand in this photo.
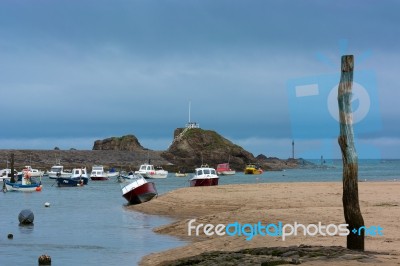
(305, 203)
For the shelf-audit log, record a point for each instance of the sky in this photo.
(76, 71)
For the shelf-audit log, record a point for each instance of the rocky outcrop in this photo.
(196, 146)
(124, 143)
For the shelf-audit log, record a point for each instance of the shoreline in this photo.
(302, 202)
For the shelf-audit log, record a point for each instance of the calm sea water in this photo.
(91, 226)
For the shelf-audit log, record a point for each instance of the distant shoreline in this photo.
(44, 159)
(304, 202)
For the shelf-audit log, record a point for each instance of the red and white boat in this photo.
(98, 173)
(225, 169)
(204, 176)
(138, 190)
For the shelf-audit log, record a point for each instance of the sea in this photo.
(91, 225)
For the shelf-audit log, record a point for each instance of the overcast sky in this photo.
(76, 71)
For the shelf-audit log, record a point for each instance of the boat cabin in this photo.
(146, 167)
(205, 171)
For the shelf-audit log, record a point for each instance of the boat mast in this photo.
(189, 110)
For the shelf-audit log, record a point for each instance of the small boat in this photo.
(27, 184)
(112, 173)
(77, 178)
(98, 173)
(204, 176)
(69, 182)
(179, 174)
(138, 190)
(32, 172)
(5, 174)
(80, 174)
(252, 169)
(224, 169)
(148, 171)
(57, 171)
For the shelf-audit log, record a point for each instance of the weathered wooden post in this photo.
(12, 179)
(351, 206)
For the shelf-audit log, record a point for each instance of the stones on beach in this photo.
(265, 256)
(26, 217)
(44, 259)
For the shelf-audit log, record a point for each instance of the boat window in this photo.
(213, 171)
(206, 171)
(199, 172)
(77, 172)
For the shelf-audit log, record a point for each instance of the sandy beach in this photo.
(305, 203)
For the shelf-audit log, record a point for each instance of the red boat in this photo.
(139, 190)
(225, 169)
(204, 176)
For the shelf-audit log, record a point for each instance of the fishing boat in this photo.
(57, 171)
(204, 176)
(77, 178)
(80, 174)
(224, 169)
(148, 171)
(252, 169)
(27, 184)
(69, 182)
(138, 190)
(98, 173)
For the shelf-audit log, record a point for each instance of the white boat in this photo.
(179, 174)
(98, 173)
(5, 174)
(204, 176)
(138, 190)
(148, 171)
(27, 184)
(80, 174)
(58, 171)
(112, 173)
(32, 172)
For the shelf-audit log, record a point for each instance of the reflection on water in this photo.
(26, 228)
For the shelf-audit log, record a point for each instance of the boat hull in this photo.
(99, 178)
(201, 182)
(141, 194)
(69, 182)
(153, 175)
(227, 172)
(181, 175)
(23, 188)
(253, 172)
(63, 175)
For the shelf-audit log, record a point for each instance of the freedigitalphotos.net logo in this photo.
(313, 107)
(279, 229)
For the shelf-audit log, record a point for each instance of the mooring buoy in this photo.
(44, 259)
(26, 217)
(10, 236)
(47, 204)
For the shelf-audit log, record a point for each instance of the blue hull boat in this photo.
(69, 182)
